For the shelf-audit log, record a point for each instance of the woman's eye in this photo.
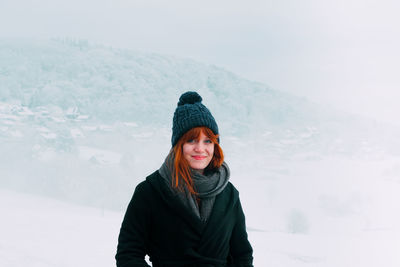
(208, 141)
(191, 141)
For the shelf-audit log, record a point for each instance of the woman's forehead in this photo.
(198, 132)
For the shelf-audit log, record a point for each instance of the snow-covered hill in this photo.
(67, 79)
(114, 84)
(76, 117)
(85, 123)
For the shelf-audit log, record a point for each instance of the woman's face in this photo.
(198, 152)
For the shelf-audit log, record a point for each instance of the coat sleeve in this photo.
(241, 252)
(134, 233)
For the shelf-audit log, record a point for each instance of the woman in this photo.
(187, 213)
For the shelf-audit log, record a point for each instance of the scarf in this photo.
(207, 186)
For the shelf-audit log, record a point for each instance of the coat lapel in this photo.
(223, 205)
(175, 205)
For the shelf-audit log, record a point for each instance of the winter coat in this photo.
(157, 224)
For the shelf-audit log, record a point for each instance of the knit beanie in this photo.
(191, 113)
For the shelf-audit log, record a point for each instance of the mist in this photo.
(342, 54)
(304, 95)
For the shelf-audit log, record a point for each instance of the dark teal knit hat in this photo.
(191, 113)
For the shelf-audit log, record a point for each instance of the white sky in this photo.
(344, 53)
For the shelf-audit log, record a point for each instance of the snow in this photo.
(330, 223)
(41, 232)
(16, 133)
(49, 135)
(82, 125)
(99, 155)
(76, 133)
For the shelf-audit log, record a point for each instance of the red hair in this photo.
(182, 169)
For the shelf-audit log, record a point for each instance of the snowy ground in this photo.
(38, 231)
(331, 212)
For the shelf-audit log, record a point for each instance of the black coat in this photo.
(157, 224)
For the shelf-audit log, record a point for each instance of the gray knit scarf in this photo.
(208, 186)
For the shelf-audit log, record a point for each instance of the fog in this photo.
(341, 53)
(302, 93)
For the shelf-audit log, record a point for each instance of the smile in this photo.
(199, 157)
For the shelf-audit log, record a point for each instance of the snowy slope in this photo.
(80, 121)
(51, 82)
(85, 123)
(114, 84)
(97, 112)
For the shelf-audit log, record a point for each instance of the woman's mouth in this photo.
(199, 157)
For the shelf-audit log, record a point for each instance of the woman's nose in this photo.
(199, 146)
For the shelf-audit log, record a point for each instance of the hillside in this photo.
(80, 121)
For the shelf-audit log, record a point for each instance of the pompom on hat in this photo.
(191, 113)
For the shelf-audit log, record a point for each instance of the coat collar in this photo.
(224, 203)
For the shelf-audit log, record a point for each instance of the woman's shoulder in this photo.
(229, 194)
(144, 187)
(232, 189)
(151, 184)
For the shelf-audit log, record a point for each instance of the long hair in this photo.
(182, 175)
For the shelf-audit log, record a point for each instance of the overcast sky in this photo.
(344, 53)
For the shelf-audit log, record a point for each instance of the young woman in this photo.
(187, 213)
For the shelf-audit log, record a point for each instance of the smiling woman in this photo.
(201, 151)
(198, 151)
(187, 213)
